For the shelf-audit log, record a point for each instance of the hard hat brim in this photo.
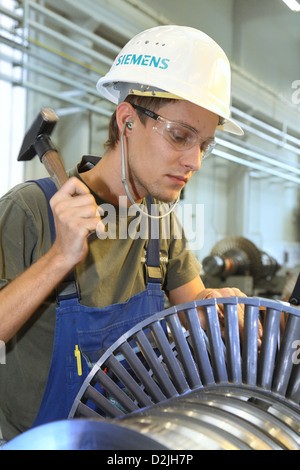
(109, 91)
(232, 127)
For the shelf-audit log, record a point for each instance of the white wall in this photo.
(12, 114)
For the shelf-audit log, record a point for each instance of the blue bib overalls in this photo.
(83, 333)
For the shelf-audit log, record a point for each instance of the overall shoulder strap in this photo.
(153, 270)
(48, 187)
(68, 288)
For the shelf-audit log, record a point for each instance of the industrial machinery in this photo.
(208, 385)
(237, 261)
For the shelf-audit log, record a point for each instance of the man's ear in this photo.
(124, 114)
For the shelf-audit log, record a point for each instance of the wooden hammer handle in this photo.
(54, 166)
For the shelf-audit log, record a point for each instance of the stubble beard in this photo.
(141, 188)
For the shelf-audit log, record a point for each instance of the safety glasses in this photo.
(180, 136)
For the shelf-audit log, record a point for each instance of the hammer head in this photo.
(42, 126)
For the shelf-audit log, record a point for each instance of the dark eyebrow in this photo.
(194, 130)
(220, 123)
(185, 124)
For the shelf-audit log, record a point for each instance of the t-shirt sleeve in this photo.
(22, 215)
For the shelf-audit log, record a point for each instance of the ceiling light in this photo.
(292, 4)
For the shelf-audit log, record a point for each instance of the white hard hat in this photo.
(173, 61)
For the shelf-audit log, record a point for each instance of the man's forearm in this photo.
(75, 218)
(20, 299)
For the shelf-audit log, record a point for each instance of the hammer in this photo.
(37, 142)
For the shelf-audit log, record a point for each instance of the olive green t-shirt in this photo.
(112, 272)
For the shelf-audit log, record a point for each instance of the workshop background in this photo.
(245, 199)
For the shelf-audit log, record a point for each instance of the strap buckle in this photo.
(67, 290)
(153, 274)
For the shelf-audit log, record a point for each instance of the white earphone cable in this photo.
(139, 208)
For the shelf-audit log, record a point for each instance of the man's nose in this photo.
(191, 159)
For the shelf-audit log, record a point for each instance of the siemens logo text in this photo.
(143, 59)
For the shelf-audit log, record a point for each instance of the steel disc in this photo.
(81, 434)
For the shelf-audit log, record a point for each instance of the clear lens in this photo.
(207, 147)
(182, 137)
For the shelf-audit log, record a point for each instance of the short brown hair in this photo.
(146, 102)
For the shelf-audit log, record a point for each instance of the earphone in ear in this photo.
(130, 124)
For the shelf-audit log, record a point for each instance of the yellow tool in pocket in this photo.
(78, 357)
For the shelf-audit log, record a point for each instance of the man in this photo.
(172, 86)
